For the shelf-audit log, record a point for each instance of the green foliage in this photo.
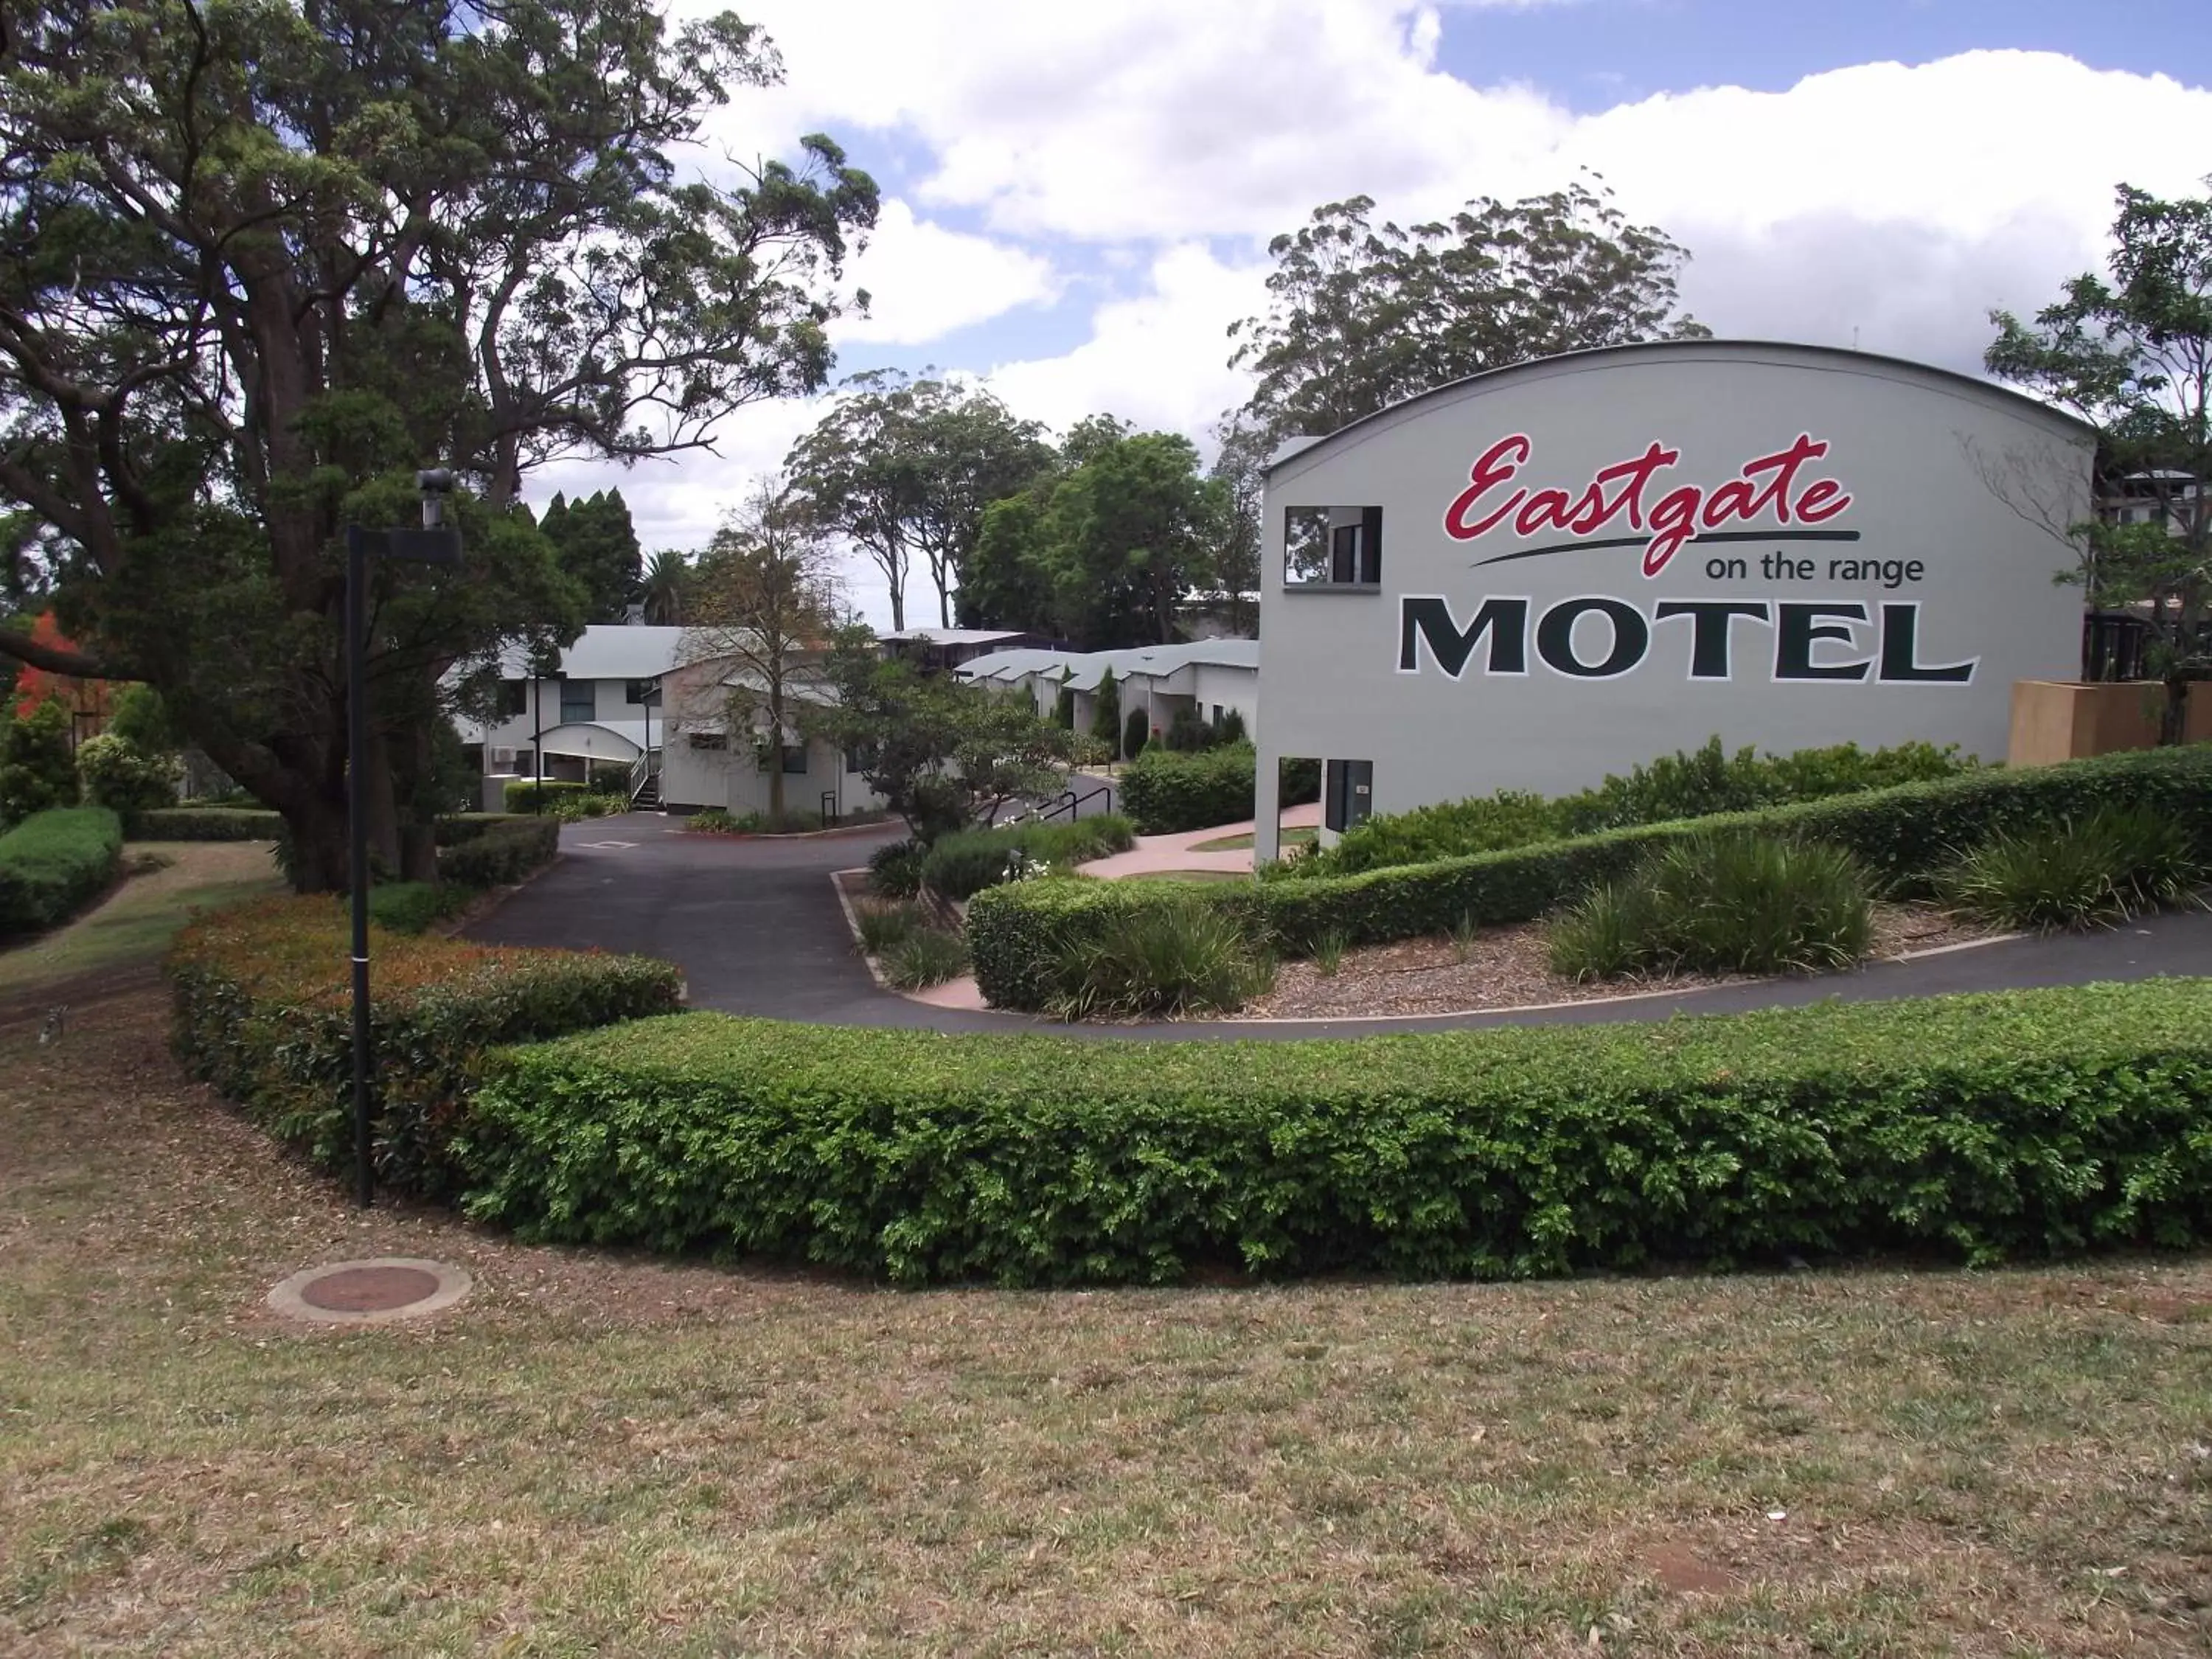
(53, 864)
(1361, 316)
(575, 808)
(882, 925)
(962, 864)
(125, 779)
(2130, 350)
(942, 753)
(895, 870)
(142, 719)
(2119, 862)
(501, 854)
(1167, 959)
(455, 828)
(263, 1012)
(524, 794)
(1328, 953)
(597, 546)
(1188, 731)
(491, 256)
(1232, 727)
(1106, 712)
(1989, 1129)
(1700, 784)
(37, 771)
(1063, 709)
(1726, 903)
(1901, 836)
(1136, 732)
(900, 465)
(926, 956)
(206, 823)
(1166, 792)
(413, 907)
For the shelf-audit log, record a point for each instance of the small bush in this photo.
(502, 853)
(894, 870)
(206, 823)
(714, 821)
(455, 828)
(962, 864)
(263, 1012)
(1731, 904)
(1136, 732)
(1177, 957)
(38, 773)
(1231, 729)
(927, 956)
(1165, 792)
(572, 809)
(882, 925)
(528, 794)
(1188, 731)
(2119, 862)
(1986, 1128)
(53, 864)
(413, 907)
(125, 779)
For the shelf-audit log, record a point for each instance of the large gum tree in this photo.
(259, 259)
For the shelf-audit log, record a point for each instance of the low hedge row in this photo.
(501, 852)
(204, 823)
(1166, 791)
(263, 1012)
(1017, 934)
(519, 796)
(961, 865)
(1990, 1126)
(455, 828)
(53, 864)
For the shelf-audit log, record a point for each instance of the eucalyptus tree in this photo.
(261, 259)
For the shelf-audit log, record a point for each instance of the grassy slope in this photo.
(136, 922)
(598, 1455)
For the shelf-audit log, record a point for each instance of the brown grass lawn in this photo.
(596, 1455)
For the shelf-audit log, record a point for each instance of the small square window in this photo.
(514, 698)
(578, 705)
(1332, 547)
(794, 758)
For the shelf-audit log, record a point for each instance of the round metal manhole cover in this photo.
(370, 1293)
(369, 1289)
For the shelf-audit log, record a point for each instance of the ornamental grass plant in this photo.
(1175, 958)
(2117, 863)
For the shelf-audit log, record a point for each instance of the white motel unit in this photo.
(1537, 576)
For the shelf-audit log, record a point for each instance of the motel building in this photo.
(1533, 577)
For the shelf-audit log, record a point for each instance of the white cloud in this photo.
(925, 281)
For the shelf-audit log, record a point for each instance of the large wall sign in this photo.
(1568, 568)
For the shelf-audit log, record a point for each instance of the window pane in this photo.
(577, 703)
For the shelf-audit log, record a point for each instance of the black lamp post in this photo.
(435, 542)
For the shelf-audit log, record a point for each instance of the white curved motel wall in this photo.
(1537, 576)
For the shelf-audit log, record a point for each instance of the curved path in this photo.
(757, 928)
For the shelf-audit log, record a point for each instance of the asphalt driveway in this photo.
(756, 927)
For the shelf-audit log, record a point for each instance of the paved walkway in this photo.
(757, 928)
(1155, 855)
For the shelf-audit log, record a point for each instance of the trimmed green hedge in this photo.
(1016, 934)
(263, 1012)
(501, 852)
(518, 795)
(2024, 1124)
(413, 907)
(204, 823)
(455, 828)
(1166, 791)
(53, 864)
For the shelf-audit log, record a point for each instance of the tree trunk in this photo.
(943, 605)
(898, 608)
(775, 761)
(2173, 718)
(318, 846)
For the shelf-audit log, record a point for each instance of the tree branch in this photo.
(76, 664)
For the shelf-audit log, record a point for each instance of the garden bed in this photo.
(1503, 968)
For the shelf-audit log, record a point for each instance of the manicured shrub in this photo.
(1136, 732)
(894, 870)
(455, 828)
(1063, 709)
(1988, 1128)
(1106, 712)
(525, 794)
(413, 907)
(1728, 903)
(125, 779)
(927, 957)
(38, 773)
(1165, 792)
(53, 864)
(961, 865)
(503, 852)
(1901, 836)
(1702, 783)
(206, 823)
(1176, 957)
(1231, 729)
(263, 1012)
(2119, 862)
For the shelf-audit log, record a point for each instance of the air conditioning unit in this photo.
(504, 760)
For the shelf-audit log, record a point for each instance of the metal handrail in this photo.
(642, 770)
(1072, 803)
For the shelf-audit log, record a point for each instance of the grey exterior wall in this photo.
(1939, 470)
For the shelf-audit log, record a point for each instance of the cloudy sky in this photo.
(1077, 199)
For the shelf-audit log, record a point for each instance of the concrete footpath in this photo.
(757, 928)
